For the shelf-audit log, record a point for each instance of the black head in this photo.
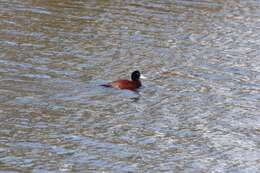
(135, 75)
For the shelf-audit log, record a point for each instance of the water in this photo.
(197, 112)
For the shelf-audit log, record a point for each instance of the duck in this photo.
(132, 84)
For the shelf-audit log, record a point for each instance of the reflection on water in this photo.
(197, 112)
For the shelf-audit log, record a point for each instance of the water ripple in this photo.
(198, 111)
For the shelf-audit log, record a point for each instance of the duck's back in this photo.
(126, 84)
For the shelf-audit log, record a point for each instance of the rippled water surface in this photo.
(198, 111)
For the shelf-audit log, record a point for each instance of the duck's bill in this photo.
(143, 77)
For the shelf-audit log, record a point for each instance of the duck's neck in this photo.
(138, 83)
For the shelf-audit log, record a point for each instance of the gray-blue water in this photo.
(198, 111)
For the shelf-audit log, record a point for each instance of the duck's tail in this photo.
(106, 85)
